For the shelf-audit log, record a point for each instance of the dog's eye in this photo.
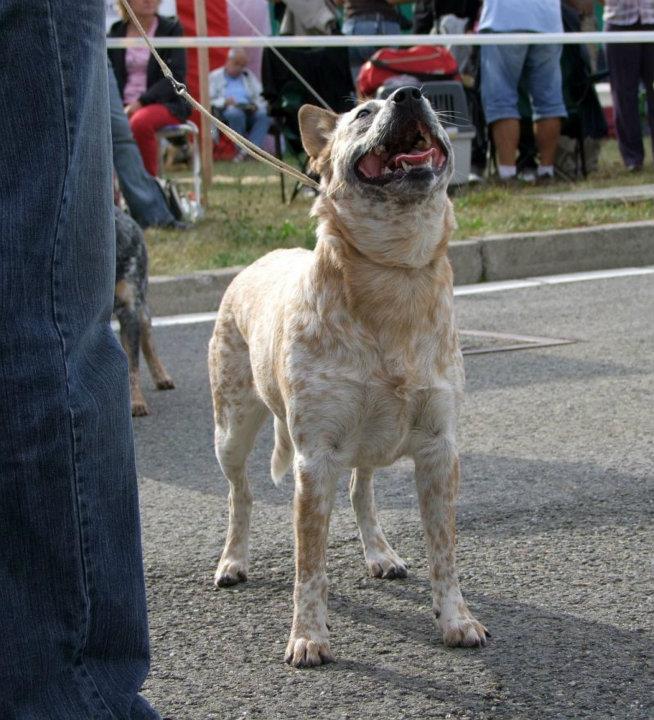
(364, 112)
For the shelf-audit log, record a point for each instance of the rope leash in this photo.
(250, 148)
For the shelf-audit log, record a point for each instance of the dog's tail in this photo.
(282, 456)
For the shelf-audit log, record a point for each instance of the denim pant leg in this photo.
(258, 124)
(235, 118)
(355, 26)
(73, 626)
(142, 195)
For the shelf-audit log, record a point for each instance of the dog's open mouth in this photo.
(418, 155)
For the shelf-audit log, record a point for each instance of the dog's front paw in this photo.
(308, 651)
(230, 572)
(387, 565)
(463, 631)
(139, 408)
(165, 383)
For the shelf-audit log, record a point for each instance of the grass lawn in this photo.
(246, 217)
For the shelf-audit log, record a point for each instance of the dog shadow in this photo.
(566, 666)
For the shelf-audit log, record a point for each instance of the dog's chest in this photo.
(366, 415)
(388, 410)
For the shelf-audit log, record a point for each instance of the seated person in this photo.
(149, 99)
(236, 99)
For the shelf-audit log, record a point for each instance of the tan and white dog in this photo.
(353, 349)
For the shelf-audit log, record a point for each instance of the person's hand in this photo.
(229, 101)
(132, 108)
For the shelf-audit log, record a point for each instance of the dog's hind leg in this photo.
(282, 456)
(130, 339)
(381, 559)
(162, 380)
(238, 415)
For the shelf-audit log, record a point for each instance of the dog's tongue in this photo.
(371, 165)
(416, 158)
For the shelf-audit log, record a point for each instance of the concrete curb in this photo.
(498, 257)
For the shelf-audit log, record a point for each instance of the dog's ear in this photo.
(316, 126)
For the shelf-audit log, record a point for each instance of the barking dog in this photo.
(353, 349)
(131, 309)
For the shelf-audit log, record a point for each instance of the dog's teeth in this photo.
(386, 171)
(406, 166)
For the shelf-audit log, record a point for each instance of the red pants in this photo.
(145, 123)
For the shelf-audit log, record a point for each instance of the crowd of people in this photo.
(73, 620)
(519, 98)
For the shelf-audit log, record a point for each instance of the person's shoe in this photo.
(634, 168)
(527, 176)
(176, 225)
(545, 179)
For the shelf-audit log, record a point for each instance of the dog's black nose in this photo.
(406, 96)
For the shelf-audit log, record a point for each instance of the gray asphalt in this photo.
(554, 546)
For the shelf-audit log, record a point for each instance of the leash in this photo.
(250, 148)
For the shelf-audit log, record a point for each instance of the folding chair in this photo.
(327, 70)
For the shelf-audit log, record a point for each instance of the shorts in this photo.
(502, 68)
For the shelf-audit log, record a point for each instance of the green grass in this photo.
(246, 220)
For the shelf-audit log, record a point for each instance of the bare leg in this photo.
(437, 480)
(315, 486)
(506, 136)
(547, 131)
(382, 560)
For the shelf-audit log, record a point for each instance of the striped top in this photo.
(629, 12)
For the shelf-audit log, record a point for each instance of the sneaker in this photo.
(527, 176)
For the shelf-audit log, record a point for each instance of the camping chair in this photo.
(327, 70)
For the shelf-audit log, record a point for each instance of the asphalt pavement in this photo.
(555, 538)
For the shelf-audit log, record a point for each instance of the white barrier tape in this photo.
(322, 41)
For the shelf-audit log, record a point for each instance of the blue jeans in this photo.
(502, 67)
(251, 124)
(378, 25)
(73, 626)
(140, 190)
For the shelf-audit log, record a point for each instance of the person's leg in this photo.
(235, 118)
(357, 26)
(501, 67)
(143, 197)
(647, 75)
(543, 78)
(144, 124)
(624, 64)
(258, 123)
(506, 135)
(73, 623)
(548, 132)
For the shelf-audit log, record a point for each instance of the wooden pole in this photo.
(205, 127)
